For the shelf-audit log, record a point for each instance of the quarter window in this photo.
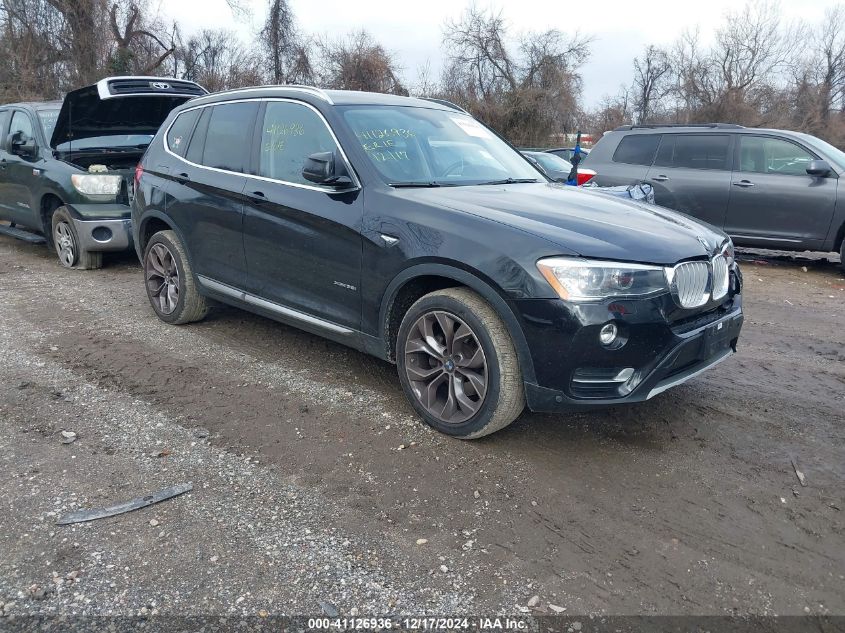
(197, 146)
(767, 155)
(637, 149)
(291, 132)
(180, 132)
(229, 136)
(694, 151)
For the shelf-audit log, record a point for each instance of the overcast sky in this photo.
(413, 30)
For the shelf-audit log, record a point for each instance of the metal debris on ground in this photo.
(81, 516)
(798, 474)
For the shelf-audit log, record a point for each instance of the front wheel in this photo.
(169, 280)
(458, 365)
(66, 242)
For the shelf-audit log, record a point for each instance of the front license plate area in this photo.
(716, 339)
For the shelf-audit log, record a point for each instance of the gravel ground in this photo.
(316, 489)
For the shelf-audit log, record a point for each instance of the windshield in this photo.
(550, 161)
(834, 154)
(421, 146)
(48, 120)
(116, 141)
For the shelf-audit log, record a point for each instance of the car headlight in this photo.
(96, 184)
(587, 280)
(728, 252)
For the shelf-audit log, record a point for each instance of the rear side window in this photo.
(291, 132)
(637, 149)
(695, 151)
(4, 118)
(228, 140)
(180, 132)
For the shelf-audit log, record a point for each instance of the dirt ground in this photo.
(316, 488)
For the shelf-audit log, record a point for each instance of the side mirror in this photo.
(322, 168)
(819, 168)
(22, 145)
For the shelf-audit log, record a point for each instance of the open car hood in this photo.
(120, 106)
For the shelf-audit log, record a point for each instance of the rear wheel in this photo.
(169, 280)
(458, 365)
(66, 243)
(842, 255)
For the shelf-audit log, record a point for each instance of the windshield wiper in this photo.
(416, 183)
(509, 181)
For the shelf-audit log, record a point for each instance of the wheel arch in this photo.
(150, 224)
(48, 203)
(420, 279)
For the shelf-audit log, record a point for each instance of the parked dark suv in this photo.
(405, 228)
(765, 188)
(66, 167)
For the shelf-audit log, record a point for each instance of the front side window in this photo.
(179, 133)
(552, 162)
(413, 145)
(695, 151)
(290, 133)
(637, 149)
(767, 155)
(229, 136)
(22, 124)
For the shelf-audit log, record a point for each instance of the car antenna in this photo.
(576, 159)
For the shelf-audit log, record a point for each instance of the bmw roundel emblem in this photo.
(159, 85)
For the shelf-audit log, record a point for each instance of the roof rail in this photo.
(448, 104)
(318, 92)
(652, 126)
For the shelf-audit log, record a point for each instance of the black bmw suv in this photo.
(407, 229)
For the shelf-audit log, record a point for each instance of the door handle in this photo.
(182, 178)
(660, 178)
(258, 197)
(743, 183)
(3, 163)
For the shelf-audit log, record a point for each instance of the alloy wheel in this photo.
(162, 278)
(65, 244)
(446, 367)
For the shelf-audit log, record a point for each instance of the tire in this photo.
(66, 243)
(170, 283)
(423, 350)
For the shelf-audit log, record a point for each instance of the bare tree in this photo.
(217, 60)
(358, 62)
(652, 82)
(528, 89)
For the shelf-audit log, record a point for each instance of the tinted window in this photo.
(197, 146)
(229, 136)
(694, 151)
(637, 149)
(767, 155)
(21, 123)
(291, 132)
(180, 132)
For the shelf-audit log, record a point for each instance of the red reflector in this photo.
(139, 171)
(585, 176)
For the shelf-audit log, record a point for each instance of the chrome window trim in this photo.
(242, 295)
(356, 183)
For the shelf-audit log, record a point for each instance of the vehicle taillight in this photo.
(139, 171)
(585, 175)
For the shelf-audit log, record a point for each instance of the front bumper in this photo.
(574, 371)
(104, 235)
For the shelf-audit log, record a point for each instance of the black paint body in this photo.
(323, 254)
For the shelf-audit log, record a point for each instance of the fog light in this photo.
(608, 334)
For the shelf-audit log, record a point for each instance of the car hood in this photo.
(582, 222)
(84, 114)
